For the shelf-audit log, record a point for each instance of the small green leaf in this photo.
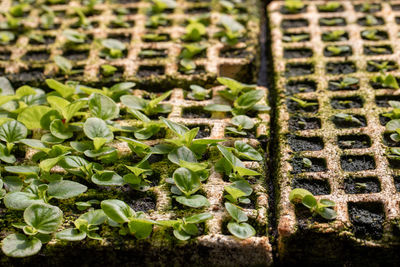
(186, 181)
(12, 131)
(43, 217)
(108, 178)
(236, 213)
(241, 230)
(103, 107)
(247, 152)
(309, 201)
(31, 116)
(117, 210)
(218, 108)
(65, 189)
(95, 127)
(297, 195)
(71, 234)
(19, 246)
(195, 201)
(20, 200)
(181, 153)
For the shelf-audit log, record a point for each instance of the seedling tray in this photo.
(145, 60)
(348, 153)
(213, 245)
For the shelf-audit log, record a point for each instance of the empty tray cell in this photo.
(301, 86)
(300, 165)
(38, 39)
(297, 123)
(294, 23)
(197, 10)
(367, 219)
(146, 71)
(355, 163)
(5, 55)
(332, 21)
(300, 143)
(76, 55)
(340, 67)
(125, 38)
(229, 52)
(396, 180)
(353, 141)
(196, 112)
(316, 187)
(361, 185)
(299, 69)
(377, 49)
(41, 55)
(347, 102)
(297, 52)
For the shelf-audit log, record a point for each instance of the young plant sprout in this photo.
(386, 81)
(232, 30)
(296, 37)
(302, 103)
(331, 21)
(238, 192)
(293, 6)
(238, 225)
(322, 207)
(148, 107)
(108, 70)
(382, 66)
(198, 92)
(112, 48)
(332, 36)
(240, 124)
(395, 113)
(349, 118)
(393, 127)
(346, 82)
(6, 37)
(74, 36)
(11, 132)
(329, 7)
(338, 50)
(65, 65)
(372, 35)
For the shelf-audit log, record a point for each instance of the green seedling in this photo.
(148, 107)
(47, 19)
(194, 32)
(331, 21)
(371, 20)
(372, 35)
(382, 66)
(65, 65)
(393, 127)
(386, 81)
(302, 103)
(119, 214)
(332, 36)
(112, 48)
(238, 192)
(198, 93)
(330, 7)
(11, 132)
(293, 6)
(338, 50)
(186, 227)
(232, 30)
(108, 70)
(40, 222)
(74, 36)
(6, 37)
(156, 21)
(323, 207)
(307, 163)
(345, 82)
(238, 225)
(349, 118)
(292, 38)
(395, 113)
(85, 226)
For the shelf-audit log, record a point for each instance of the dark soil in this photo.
(196, 112)
(316, 187)
(333, 87)
(204, 131)
(294, 107)
(355, 163)
(304, 86)
(197, 10)
(36, 55)
(328, 53)
(146, 71)
(369, 49)
(340, 67)
(54, 27)
(143, 204)
(363, 21)
(305, 217)
(26, 76)
(153, 159)
(383, 119)
(294, 23)
(297, 52)
(396, 180)
(361, 185)
(338, 21)
(300, 143)
(383, 100)
(397, 19)
(297, 123)
(353, 141)
(126, 1)
(76, 55)
(234, 53)
(371, 68)
(5, 55)
(318, 165)
(374, 8)
(395, 7)
(347, 102)
(47, 40)
(298, 69)
(125, 38)
(367, 219)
